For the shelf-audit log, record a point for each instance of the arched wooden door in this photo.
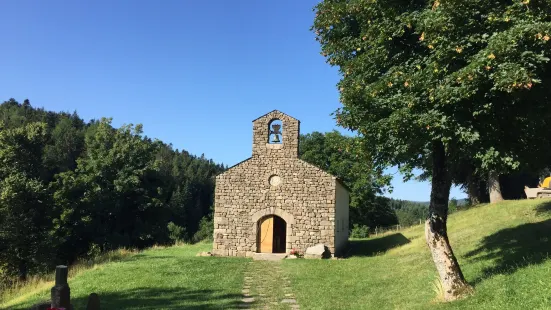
(271, 234)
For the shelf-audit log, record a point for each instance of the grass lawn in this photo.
(164, 278)
(503, 250)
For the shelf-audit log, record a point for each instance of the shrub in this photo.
(94, 251)
(176, 233)
(359, 231)
(206, 230)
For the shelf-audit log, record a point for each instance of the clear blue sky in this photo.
(194, 73)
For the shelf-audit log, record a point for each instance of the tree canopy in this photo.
(467, 73)
(344, 158)
(431, 84)
(70, 188)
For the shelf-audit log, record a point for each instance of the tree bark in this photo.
(473, 187)
(451, 277)
(494, 188)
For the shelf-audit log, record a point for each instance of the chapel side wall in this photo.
(341, 218)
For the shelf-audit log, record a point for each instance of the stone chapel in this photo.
(273, 201)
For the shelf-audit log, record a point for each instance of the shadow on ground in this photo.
(543, 208)
(515, 248)
(372, 247)
(169, 298)
(141, 257)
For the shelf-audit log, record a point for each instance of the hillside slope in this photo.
(159, 278)
(503, 250)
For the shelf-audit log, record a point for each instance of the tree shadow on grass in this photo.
(544, 208)
(165, 298)
(514, 248)
(141, 257)
(372, 247)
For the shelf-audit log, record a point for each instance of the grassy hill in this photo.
(503, 250)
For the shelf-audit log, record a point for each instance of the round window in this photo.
(275, 180)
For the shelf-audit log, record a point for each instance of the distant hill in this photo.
(411, 212)
(460, 202)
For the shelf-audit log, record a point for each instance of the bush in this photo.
(452, 206)
(94, 251)
(206, 230)
(359, 231)
(176, 233)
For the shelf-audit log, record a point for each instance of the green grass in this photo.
(21, 290)
(162, 278)
(503, 250)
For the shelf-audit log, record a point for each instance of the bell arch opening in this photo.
(275, 131)
(271, 234)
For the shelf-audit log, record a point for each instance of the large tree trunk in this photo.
(451, 277)
(473, 187)
(494, 188)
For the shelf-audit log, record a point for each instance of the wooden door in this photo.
(266, 234)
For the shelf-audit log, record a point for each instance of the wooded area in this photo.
(72, 189)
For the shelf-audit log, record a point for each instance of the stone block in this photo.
(317, 252)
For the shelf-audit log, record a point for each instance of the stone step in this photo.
(269, 256)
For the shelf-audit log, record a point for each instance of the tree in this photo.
(70, 188)
(344, 157)
(428, 81)
(25, 214)
(113, 197)
(67, 142)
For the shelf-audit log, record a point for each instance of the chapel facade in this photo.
(273, 201)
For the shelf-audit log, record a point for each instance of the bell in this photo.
(276, 139)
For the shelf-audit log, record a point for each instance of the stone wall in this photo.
(274, 181)
(341, 218)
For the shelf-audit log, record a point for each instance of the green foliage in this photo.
(66, 145)
(176, 233)
(346, 158)
(73, 189)
(206, 230)
(359, 231)
(469, 74)
(411, 213)
(25, 209)
(452, 206)
(438, 85)
(115, 180)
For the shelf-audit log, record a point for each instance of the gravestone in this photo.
(317, 251)
(61, 294)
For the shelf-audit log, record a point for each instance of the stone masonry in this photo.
(274, 181)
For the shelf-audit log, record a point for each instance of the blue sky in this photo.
(194, 73)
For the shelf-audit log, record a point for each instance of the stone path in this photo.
(267, 287)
